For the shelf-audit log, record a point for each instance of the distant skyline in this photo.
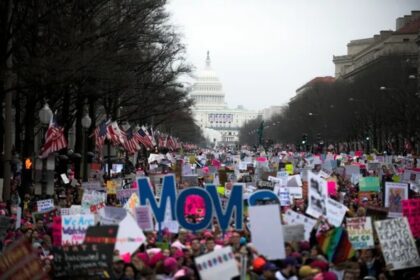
(263, 50)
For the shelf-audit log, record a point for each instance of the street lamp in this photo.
(86, 123)
(45, 116)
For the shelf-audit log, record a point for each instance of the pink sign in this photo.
(332, 188)
(261, 159)
(195, 205)
(411, 210)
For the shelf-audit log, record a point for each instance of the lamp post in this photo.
(45, 115)
(86, 122)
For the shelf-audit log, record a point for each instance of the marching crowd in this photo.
(170, 255)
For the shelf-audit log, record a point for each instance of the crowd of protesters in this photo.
(171, 256)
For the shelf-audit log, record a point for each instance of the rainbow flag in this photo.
(336, 245)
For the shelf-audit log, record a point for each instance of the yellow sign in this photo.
(111, 187)
(289, 168)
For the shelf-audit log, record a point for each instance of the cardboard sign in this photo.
(219, 264)
(85, 261)
(335, 212)
(394, 194)
(74, 228)
(269, 243)
(369, 184)
(129, 237)
(317, 196)
(360, 232)
(293, 218)
(20, 261)
(398, 246)
(411, 210)
(92, 186)
(294, 232)
(45, 205)
(144, 218)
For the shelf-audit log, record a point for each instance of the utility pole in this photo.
(7, 160)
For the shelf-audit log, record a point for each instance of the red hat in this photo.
(170, 265)
(323, 266)
(258, 264)
(156, 258)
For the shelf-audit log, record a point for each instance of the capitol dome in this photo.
(207, 91)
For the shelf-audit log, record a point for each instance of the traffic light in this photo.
(27, 173)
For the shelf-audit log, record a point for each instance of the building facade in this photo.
(210, 110)
(362, 53)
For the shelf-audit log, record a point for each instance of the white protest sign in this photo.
(351, 169)
(111, 215)
(295, 193)
(65, 178)
(93, 185)
(144, 217)
(45, 205)
(283, 195)
(294, 232)
(394, 194)
(317, 194)
(267, 231)
(294, 181)
(93, 200)
(292, 218)
(74, 228)
(360, 232)
(335, 212)
(171, 225)
(397, 243)
(219, 264)
(132, 203)
(129, 236)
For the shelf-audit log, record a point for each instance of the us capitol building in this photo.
(218, 122)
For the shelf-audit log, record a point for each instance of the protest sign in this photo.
(20, 261)
(292, 218)
(411, 210)
(335, 212)
(369, 184)
(46, 217)
(295, 193)
(317, 196)
(92, 186)
(351, 169)
(269, 243)
(104, 237)
(332, 188)
(219, 264)
(74, 228)
(410, 175)
(294, 181)
(289, 168)
(190, 180)
(294, 232)
(81, 262)
(374, 166)
(132, 203)
(124, 195)
(93, 200)
(261, 184)
(111, 215)
(394, 194)
(397, 243)
(283, 195)
(360, 232)
(45, 205)
(144, 218)
(112, 186)
(129, 237)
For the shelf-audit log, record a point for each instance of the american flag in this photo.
(130, 142)
(151, 135)
(54, 139)
(115, 134)
(100, 134)
(142, 138)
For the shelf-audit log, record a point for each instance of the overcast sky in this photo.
(263, 50)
